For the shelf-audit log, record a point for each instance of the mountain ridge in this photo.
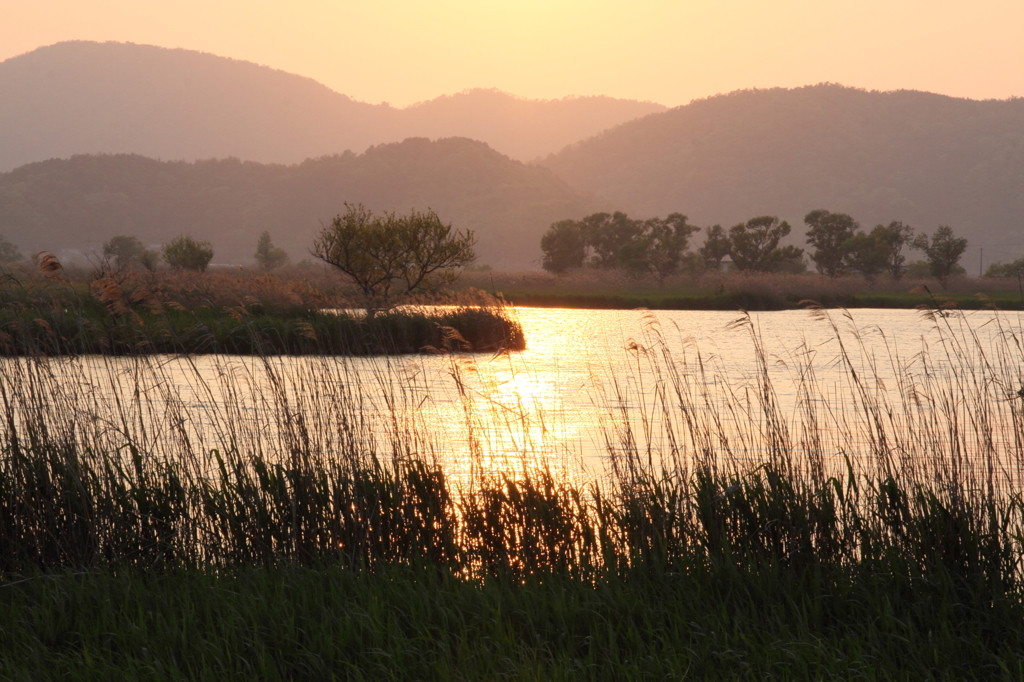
(76, 204)
(87, 97)
(922, 158)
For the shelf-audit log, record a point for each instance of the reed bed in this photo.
(106, 462)
(889, 507)
(46, 311)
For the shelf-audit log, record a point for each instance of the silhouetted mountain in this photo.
(521, 128)
(922, 158)
(81, 202)
(86, 97)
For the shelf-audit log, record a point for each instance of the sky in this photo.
(405, 51)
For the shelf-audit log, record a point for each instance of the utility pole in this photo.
(981, 257)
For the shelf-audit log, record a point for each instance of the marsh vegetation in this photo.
(732, 290)
(47, 310)
(871, 526)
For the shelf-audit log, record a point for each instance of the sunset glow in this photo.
(670, 52)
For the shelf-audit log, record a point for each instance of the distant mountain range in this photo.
(921, 158)
(78, 203)
(86, 97)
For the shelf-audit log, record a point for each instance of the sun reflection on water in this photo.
(584, 377)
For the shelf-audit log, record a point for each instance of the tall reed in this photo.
(912, 471)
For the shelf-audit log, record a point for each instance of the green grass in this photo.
(419, 623)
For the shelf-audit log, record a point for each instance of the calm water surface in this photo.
(587, 372)
(585, 376)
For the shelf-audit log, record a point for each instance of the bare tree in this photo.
(389, 254)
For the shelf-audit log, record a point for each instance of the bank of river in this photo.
(761, 301)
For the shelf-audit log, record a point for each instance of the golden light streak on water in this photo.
(584, 378)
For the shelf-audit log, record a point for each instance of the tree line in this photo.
(181, 253)
(660, 246)
(384, 255)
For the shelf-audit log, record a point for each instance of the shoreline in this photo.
(759, 302)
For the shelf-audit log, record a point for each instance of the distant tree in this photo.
(894, 236)
(415, 251)
(754, 245)
(149, 259)
(267, 255)
(879, 251)
(922, 268)
(716, 247)
(616, 241)
(8, 252)
(185, 253)
(692, 263)
(127, 251)
(943, 252)
(1014, 269)
(866, 255)
(793, 262)
(829, 234)
(667, 239)
(564, 246)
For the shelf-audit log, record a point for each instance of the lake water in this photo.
(589, 383)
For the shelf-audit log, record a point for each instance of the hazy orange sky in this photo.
(403, 51)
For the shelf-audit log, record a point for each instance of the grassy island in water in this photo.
(52, 312)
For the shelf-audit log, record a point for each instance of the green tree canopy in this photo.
(666, 241)
(267, 255)
(830, 233)
(894, 236)
(1013, 269)
(879, 251)
(716, 247)
(616, 241)
(754, 245)
(185, 253)
(943, 252)
(126, 251)
(8, 252)
(865, 254)
(379, 252)
(564, 246)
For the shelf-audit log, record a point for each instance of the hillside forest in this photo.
(77, 204)
(195, 123)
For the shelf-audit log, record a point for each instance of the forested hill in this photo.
(80, 202)
(921, 158)
(86, 97)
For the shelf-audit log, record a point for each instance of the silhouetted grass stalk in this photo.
(912, 470)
